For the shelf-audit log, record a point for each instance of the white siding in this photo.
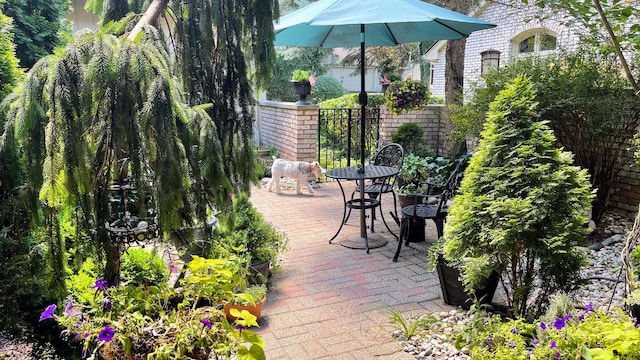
(510, 22)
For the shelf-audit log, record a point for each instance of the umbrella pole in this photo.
(362, 99)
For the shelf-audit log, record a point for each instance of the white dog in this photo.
(296, 170)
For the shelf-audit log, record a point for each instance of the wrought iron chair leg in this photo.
(403, 233)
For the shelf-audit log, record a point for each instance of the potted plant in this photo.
(251, 299)
(520, 208)
(247, 234)
(301, 85)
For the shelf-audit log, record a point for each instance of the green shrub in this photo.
(409, 136)
(351, 101)
(25, 276)
(300, 75)
(579, 334)
(586, 100)
(79, 284)
(326, 88)
(142, 267)
(246, 233)
(520, 209)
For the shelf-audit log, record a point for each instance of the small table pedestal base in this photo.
(358, 242)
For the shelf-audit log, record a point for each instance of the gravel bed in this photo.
(605, 289)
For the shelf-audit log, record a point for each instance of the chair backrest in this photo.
(390, 155)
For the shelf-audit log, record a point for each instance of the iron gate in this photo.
(338, 142)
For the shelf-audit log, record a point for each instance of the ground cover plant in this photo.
(155, 321)
(520, 207)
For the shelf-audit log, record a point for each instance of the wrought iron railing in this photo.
(339, 141)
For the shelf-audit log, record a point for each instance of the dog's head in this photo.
(316, 169)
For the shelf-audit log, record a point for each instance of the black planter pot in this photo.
(634, 310)
(416, 227)
(302, 89)
(453, 290)
(259, 273)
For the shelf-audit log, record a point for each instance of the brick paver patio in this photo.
(332, 302)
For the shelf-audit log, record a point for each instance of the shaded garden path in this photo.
(331, 302)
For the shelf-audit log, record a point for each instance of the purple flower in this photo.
(49, 313)
(535, 342)
(559, 323)
(512, 344)
(86, 353)
(514, 330)
(100, 285)
(557, 355)
(68, 308)
(553, 345)
(240, 328)
(543, 326)
(489, 314)
(488, 341)
(588, 308)
(106, 334)
(206, 323)
(106, 304)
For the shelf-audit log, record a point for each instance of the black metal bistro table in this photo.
(364, 241)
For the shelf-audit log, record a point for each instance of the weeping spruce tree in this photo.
(521, 207)
(109, 107)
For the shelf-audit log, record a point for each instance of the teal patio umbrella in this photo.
(345, 23)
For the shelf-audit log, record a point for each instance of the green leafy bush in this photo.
(247, 234)
(159, 322)
(409, 136)
(326, 88)
(584, 97)
(351, 101)
(300, 75)
(580, 334)
(25, 277)
(520, 209)
(142, 267)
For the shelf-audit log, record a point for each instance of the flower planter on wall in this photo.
(302, 89)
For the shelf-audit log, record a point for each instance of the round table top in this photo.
(370, 172)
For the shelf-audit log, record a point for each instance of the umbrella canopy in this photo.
(335, 23)
(345, 23)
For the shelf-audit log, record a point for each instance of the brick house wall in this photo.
(512, 27)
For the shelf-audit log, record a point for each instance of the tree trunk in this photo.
(150, 16)
(454, 85)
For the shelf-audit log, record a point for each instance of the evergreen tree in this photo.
(38, 25)
(109, 108)
(521, 207)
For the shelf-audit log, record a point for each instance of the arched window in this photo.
(536, 41)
